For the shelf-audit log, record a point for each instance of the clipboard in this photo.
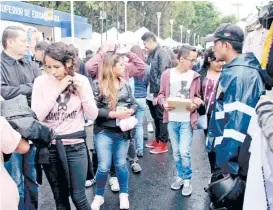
(179, 104)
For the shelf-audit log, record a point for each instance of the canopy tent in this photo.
(128, 37)
(169, 42)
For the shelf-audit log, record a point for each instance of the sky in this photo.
(247, 6)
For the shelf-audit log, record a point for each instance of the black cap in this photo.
(228, 31)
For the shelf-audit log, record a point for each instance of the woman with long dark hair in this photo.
(115, 102)
(59, 99)
(210, 73)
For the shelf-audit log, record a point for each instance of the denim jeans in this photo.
(139, 127)
(77, 163)
(181, 134)
(111, 145)
(22, 170)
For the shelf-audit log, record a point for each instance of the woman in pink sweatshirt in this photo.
(59, 99)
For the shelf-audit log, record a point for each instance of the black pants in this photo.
(161, 130)
(211, 154)
(77, 162)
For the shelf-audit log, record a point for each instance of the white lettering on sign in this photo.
(12, 10)
(26, 12)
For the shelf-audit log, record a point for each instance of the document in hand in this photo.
(179, 104)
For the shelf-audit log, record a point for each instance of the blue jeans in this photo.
(76, 155)
(181, 134)
(111, 145)
(139, 127)
(22, 170)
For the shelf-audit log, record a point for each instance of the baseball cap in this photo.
(229, 31)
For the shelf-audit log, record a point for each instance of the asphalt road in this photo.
(150, 190)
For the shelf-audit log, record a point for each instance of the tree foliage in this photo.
(199, 17)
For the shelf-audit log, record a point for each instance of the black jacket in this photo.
(159, 60)
(23, 119)
(17, 77)
(125, 99)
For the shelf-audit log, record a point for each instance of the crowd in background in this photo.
(114, 90)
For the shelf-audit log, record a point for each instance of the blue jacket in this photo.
(240, 87)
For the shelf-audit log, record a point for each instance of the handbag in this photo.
(128, 123)
(203, 119)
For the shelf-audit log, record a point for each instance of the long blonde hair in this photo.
(107, 81)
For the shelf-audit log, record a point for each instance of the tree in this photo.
(229, 19)
(200, 17)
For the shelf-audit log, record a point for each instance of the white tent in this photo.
(169, 42)
(128, 37)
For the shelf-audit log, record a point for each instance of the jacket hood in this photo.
(249, 60)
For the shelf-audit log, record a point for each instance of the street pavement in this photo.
(150, 190)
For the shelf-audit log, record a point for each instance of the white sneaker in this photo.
(113, 181)
(88, 123)
(89, 183)
(97, 202)
(150, 127)
(124, 201)
(187, 189)
(177, 184)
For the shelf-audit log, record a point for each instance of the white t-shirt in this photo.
(254, 42)
(180, 84)
(9, 142)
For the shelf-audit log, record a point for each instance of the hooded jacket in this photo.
(165, 93)
(240, 87)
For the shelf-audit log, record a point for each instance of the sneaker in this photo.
(140, 154)
(150, 127)
(97, 202)
(89, 183)
(161, 148)
(113, 181)
(124, 201)
(187, 189)
(136, 167)
(153, 144)
(88, 123)
(178, 183)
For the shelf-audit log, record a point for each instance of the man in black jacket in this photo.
(17, 77)
(159, 60)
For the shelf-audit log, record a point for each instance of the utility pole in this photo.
(237, 5)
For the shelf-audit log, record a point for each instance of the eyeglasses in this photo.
(191, 60)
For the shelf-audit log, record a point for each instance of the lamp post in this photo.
(72, 20)
(189, 31)
(102, 17)
(194, 39)
(181, 29)
(198, 38)
(125, 15)
(158, 23)
(171, 22)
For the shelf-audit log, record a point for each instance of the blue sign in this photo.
(28, 13)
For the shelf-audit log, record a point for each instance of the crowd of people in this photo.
(178, 91)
